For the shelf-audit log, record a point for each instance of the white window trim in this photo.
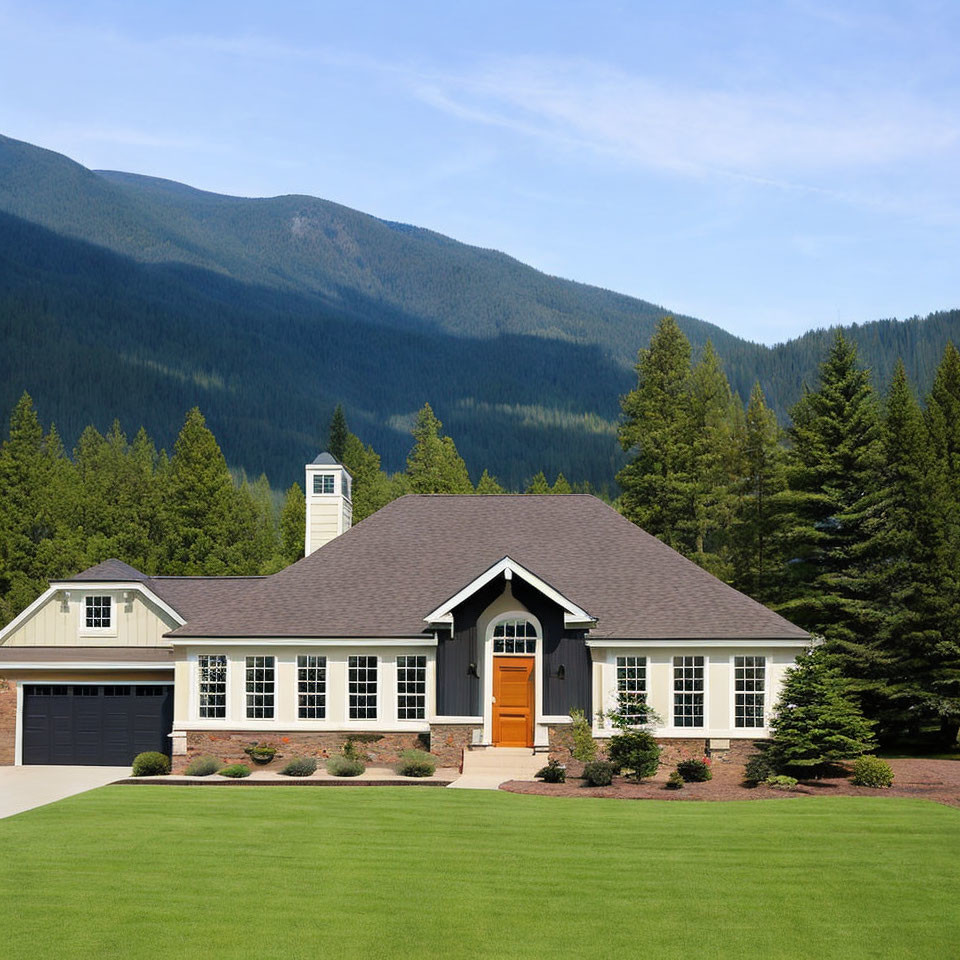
(296, 688)
(82, 629)
(747, 731)
(671, 720)
(352, 721)
(194, 662)
(397, 694)
(247, 693)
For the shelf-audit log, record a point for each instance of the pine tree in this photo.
(39, 535)
(371, 485)
(815, 722)
(561, 485)
(658, 482)
(337, 434)
(488, 485)
(538, 484)
(915, 675)
(293, 522)
(833, 465)
(762, 477)
(434, 466)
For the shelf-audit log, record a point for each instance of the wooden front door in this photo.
(513, 701)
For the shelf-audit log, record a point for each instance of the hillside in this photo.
(138, 297)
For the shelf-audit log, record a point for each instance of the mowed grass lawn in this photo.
(154, 871)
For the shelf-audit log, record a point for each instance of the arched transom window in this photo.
(515, 636)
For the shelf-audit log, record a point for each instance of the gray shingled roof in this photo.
(381, 577)
(327, 459)
(110, 570)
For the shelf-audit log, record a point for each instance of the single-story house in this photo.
(443, 620)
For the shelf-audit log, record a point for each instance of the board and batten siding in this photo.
(58, 623)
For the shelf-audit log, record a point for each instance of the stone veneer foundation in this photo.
(8, 721)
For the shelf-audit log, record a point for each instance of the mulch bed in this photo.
(937, 780)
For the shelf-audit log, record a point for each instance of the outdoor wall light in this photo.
(561, 672)
(472, 671)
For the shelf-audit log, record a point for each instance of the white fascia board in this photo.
(695, 642)
(85, 665)
(303, 641)
(25, 615)
(87, 586)
(509, 568)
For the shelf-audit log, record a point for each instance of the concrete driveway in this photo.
(23, 788)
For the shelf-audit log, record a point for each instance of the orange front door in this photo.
(513, 701)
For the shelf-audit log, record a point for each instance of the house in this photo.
(448, 620)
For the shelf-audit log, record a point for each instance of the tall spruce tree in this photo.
(371, 485)
(434, 466)
(561, 485)
(912, 584)
(658, 482)
(488, 484)
(293, 522)
(833, 466)
(337, 434)
(762, 478)
(538, 484)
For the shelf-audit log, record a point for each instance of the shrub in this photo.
(871, 771)
(202, 766)
(344, 766)
(352, 751)
(598, 773)
(781, 782)
(416, 763)
(300, 767)
(636, 751)
(584, 746)
(694, 770)
(758, 768)
(553, 772)
(260, 752)
(151, 764)
(235, 771)
(675, 781)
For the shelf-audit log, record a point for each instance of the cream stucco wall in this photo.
(718, 685)
(186, 708)
(59, 622)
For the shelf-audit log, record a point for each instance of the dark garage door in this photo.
(95, 724)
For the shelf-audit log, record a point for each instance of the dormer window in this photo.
(324, 483)
(98, 612)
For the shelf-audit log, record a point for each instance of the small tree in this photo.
(633, 749)
(584, 746)
(815, 724)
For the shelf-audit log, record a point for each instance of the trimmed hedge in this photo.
(202, 766)
(151, 764)
(235, 771)
(599, 773)
(553, 772)
(694, 770)
(300, 767)
(871, 771)
(416, 763)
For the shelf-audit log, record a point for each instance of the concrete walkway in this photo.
(23, 788)
(487, 768)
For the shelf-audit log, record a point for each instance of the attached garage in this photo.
(104, 724)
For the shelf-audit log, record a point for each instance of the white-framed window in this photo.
(98, 612)
(362, 688)
(212, 688)
(515, 636)
(749, 686)
(632, 678)
(261, 683)
(311, 687)
(411, 687)
(324, 483)
(688, 691)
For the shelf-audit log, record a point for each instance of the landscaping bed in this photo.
(937, 780)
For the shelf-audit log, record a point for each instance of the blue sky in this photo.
(770, 167)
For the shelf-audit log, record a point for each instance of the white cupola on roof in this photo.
(329, 503)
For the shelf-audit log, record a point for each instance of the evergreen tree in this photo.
(561, 485)
(434, 466)
(293, 524)
(337, 435)
(762, 477)
(815, 723)
(206, 521)
(371, 485)
(539, 484)
(833, 465)
(488, 485)
(658, 482)
(39, 536)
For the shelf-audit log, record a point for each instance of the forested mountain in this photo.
(129, 296)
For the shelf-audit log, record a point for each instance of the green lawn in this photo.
(404, 872)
